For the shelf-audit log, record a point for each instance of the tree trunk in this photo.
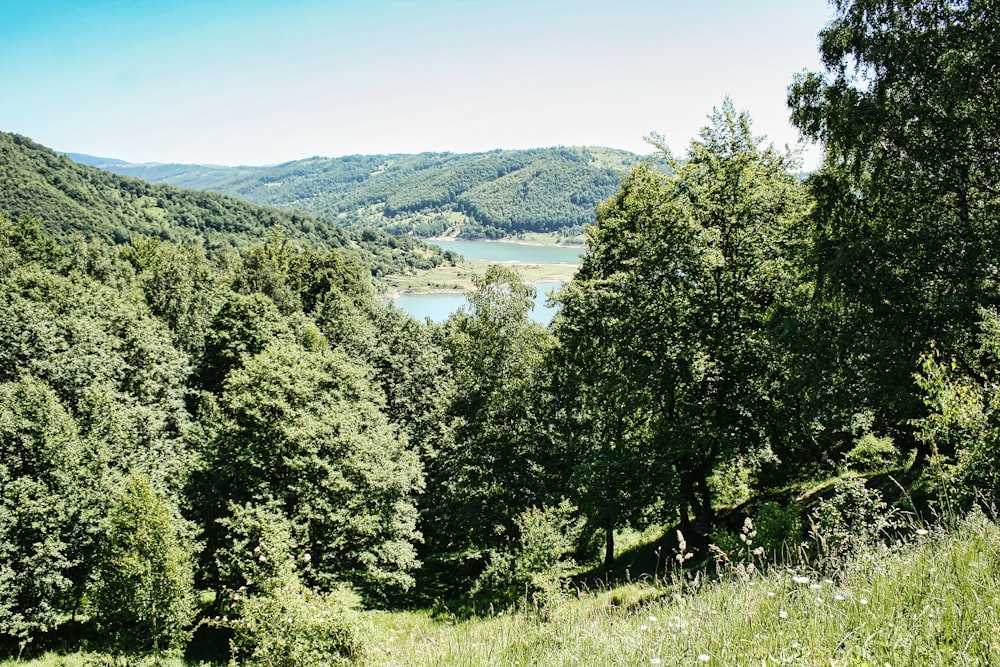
(706, 514)
(609, 544)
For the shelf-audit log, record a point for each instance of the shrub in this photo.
(778, 527)
(852, 519)
(290, 625)
(275, 618)
(874, 454)
(535, 564)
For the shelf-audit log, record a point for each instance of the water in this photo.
(438, 307)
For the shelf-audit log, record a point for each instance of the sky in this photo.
(248, 82)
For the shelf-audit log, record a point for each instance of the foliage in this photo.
(275, 618)
(534, 564)
(779, 528)
(961, 430)
(47, 509)
(906, 219)
(144, 592)
(292, 625)
(676, 293)
(305, 429)
(854, 518)
(874, 454)
(496, 461)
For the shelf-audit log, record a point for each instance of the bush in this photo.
(275, 618)
(874, 454)
(853, 519)
(778, 527)
(536, 563)
(290, 625)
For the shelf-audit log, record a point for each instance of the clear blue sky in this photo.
(253, 82)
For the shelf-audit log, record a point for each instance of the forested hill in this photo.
(500, 193)
(76, 199)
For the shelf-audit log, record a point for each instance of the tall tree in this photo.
(906, 222)
(49, 510)
(495, 464)
(305, 431)
(681, 278)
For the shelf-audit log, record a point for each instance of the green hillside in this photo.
(75, 199)
(501, 193)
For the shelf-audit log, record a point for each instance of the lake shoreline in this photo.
(538, 244)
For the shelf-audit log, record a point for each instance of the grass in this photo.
(931, 601)
(459, 278)
(928, 599)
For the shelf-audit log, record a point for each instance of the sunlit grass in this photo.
(460, 278)
(933, 601)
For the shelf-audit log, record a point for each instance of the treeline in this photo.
(72, 199)
(497, 194)
(274, 433)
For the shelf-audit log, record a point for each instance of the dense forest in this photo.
(250, 447)
(499, 194)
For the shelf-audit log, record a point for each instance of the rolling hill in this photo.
(496, 194)
(72, 199)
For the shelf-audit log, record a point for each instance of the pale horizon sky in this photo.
(251, 82)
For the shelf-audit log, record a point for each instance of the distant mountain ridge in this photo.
(495, 194)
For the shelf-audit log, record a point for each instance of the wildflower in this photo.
(704, 657)
(863, 601)
(655, 661)
(262, 558)
(783, 614)
(922, 531)
(256, 549)
(653, 619)
(838, 597)
(800, 580)
(644, 627)
(815, 587)
(770, 594)
(306, 557)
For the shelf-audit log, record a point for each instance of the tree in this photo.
(496, 463)
(143, 595)
(305, 430)
(906, 223)
(682, 276)
(49, 510)
(242, 327)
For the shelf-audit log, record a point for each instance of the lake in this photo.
(439, 306)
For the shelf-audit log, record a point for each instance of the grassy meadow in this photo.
(930, 598)
(459, 278)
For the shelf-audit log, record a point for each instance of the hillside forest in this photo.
(498, 194)
(216, 437)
